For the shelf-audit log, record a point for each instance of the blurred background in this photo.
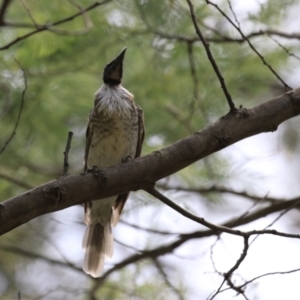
(158, 254)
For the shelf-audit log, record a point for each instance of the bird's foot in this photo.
(98, 173)
(127, 159)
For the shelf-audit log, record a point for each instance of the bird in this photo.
(114, 135)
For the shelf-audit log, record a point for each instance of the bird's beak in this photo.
(114, 70)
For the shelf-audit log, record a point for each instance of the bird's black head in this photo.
(113, 71)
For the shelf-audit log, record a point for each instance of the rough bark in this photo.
(138, 174)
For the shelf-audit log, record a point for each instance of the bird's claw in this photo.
(127, 159)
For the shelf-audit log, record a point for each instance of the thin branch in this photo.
(220, 189)
(284, 48)
(269, 274)
(20, 110)
(210, 57)
(30, 254)
(29, 12)
(16, 181)
(219, 228)
(3, 9)
(166, 279)
(48, 26)
(292, 206)
(161, 232)
(66, 154)
(194, 78)
(228, 274)
(234, 15)
(287, 87)
(6, 106)
(223, 38)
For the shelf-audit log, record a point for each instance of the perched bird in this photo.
(115, 134)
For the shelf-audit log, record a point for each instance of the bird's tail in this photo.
(97, 243)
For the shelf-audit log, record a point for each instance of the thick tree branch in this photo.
(75, 189)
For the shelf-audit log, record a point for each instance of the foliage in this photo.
(64, 69)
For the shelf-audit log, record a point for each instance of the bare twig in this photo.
(287, 87)
(228, 274)
(20, 110)
(289, 53)
(292, 206)
(194, 78)
(161, 232)
(234, 14)
(30, 254)
(3, 9)
(16, 181)
(167, 280)
(218, 228)
(29, 12)
(48, 26)
(6, 106)
(210, 57)
(219, 189)
(222, 39)
(269, 274)
(66, 154)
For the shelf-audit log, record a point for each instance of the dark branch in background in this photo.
(4, 6)
(87, 21)
(219, 189)
(194, 78)
(6, 100)
(268, 274)
(223, 38)
(250, 44)
(148, 229)
(210, 57)
(218, 228)
(284, 48)
(227, 275)
(20, 111)
(293, 205)
(16, 181)
(30, 254)
(149, 254)
(49, 26)
(183, 238)
(66, 154)
(165, 277)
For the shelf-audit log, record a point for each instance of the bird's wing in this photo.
(89, 134)
(120, 202)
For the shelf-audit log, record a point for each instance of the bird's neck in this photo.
(114, 101)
